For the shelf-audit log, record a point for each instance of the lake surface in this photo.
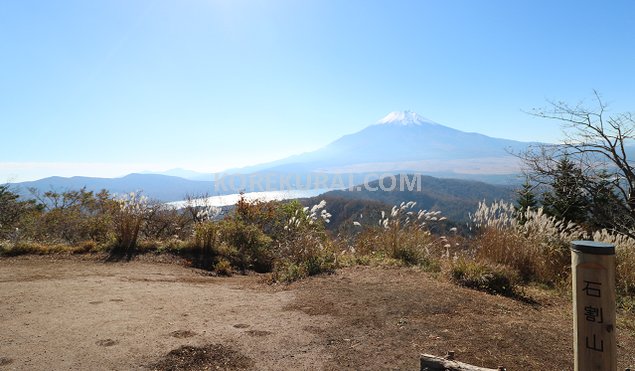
(231, 199)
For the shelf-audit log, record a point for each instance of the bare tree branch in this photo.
(599, 144)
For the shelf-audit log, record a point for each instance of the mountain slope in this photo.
(455, 198)
(406, 141)
(182, 173)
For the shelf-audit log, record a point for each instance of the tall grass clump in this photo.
(534, 244)
(205, 233)
(206, 240)
(625, 260)
(537, 246)
(303, 247)
(404, 234)
(130, 214)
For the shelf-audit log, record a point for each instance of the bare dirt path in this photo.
(71, 314)
(82, 315)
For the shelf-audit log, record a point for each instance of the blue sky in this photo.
(109, 87)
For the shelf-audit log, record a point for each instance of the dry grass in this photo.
(537, 248)
(494, 279)
(625, 251)
(37, 248)
(403, 236)
(533, 259)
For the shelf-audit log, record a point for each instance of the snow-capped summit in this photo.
(405, 118)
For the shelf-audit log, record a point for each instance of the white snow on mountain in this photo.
(405, 118)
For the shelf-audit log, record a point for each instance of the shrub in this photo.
(252, 246)
(165, 222)
(13, 211)
(303, 247)
(20, 248)
(264, 215)
(223, 267)
(491, 278)
(70, 217)
(288, 272)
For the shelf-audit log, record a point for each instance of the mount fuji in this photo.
(405, 141)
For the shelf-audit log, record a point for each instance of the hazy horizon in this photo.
(36, 171)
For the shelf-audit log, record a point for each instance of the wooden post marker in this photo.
(593, 278)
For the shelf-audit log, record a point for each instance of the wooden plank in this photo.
(434, 363)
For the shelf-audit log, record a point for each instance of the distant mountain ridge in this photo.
(160, 187)
(401, 142)
(182, 173)
(455, 198)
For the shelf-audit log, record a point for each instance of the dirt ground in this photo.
(84, 314)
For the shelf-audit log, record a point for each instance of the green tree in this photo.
(526, 199)
(567, 198)
(604, 202)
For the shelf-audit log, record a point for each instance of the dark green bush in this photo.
(253, 248)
